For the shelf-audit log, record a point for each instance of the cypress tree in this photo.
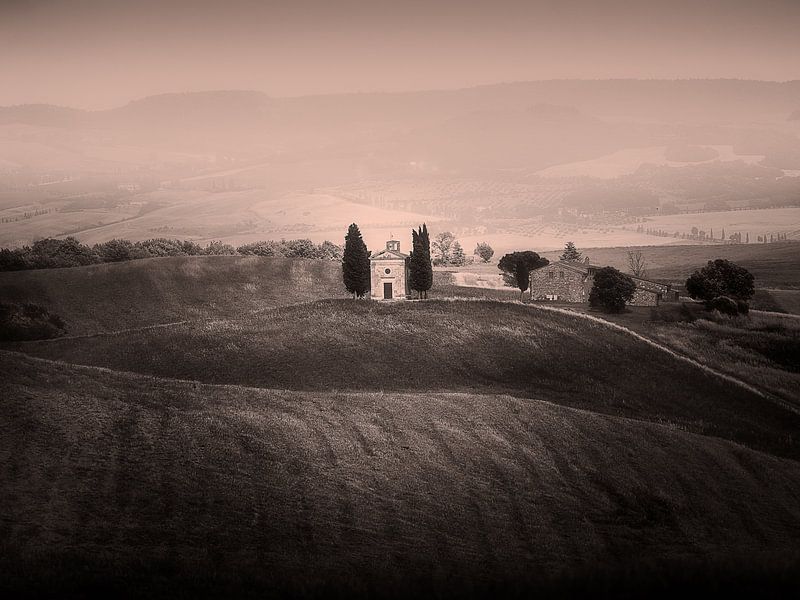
(416, 263)
(355, 263)
(421, 271)
(426, 277)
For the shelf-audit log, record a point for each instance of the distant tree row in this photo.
(28, 322)
(52, 253)
(25, 215)
(701, 235)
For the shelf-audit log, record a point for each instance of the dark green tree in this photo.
(511, 273)
(217, 248)
(571, 252)
(355, 263)
(420, 268)
(720, 278)
(522, 276)
(611, 290)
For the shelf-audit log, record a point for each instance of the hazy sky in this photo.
(101, 53)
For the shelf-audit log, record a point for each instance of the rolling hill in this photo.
(212, 428)
(115, 296)
(124, 484)
(474, 346)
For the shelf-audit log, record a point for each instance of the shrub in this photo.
(51, 253)
(28, 322)
(162, 247)
(724, 305)
(118, 251)
(191, 248)
(299, 249)
(302, 248)
(743, 307)
(14, 259)
(611, 290)
(264, 248)
(219, 249)
(329, 251)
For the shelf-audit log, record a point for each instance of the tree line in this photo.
(701, 236)
(53, 253)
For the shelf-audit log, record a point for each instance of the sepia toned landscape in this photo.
(361, 300)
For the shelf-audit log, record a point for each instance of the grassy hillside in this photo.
(143, 486)
(467, 346)
(762, 349)
(773, 265)
(115, 296)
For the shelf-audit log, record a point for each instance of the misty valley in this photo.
(607, 163)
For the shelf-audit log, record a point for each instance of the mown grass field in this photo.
(127, 485)
(460, 345)
(116, 296)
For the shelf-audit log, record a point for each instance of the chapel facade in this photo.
(389, 273)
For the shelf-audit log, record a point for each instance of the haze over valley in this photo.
(539, 160)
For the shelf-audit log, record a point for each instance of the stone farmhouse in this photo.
(571, 281)
(389, 273)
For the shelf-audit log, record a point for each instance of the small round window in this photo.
(387, 271)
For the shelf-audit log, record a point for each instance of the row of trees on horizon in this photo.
(53, 253)
(703, 236)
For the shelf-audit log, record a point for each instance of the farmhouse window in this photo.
(561, 274)
(551, 274)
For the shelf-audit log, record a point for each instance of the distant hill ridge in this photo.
(631, 96)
